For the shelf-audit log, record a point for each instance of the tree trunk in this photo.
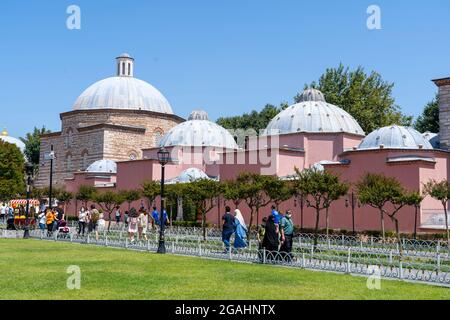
(415, 221)
(446, 224)
(109, 223)
(383, 232)
(328, 221)
(316, 231)
(204, 225)
(252, 213)
(399, 240)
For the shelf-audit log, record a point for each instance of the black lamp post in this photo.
(26, 228)
(50, 191)
(352, 201)
(163, 158)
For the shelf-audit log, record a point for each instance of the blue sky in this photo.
(226, 57)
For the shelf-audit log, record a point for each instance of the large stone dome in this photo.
(313, 114)
(199, 133)
(395, 137)
(123, 92)
(11, 140)
(103, 166)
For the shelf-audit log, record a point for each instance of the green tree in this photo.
(203, 193)
(174, 192)
(279, 190)
(66, 198)
(12, 171)
(233, 191)
(367, 97)
(254, 120)
(85, 194)
(254, 191)
(32, 143)
(388, 196)
(428, 121)
(108, 201)
(321, 189)
(131, 196)
(440, 191)
(150, 190)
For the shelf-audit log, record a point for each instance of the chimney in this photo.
(444, 111)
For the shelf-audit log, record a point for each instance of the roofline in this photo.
(311, 133)
(395, 149)
(129, 111)
(442, 81)
(51, 134)
(112, 126)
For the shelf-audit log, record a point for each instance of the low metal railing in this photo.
(434, 269)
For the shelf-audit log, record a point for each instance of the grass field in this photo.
(34, 269)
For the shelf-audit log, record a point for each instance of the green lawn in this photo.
(33, 269)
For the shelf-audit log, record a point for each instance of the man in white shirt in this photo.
(2, 212)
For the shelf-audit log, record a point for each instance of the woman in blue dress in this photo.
(241, 230)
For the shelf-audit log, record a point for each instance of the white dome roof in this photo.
(433, 138)
(199, 133)
(19, 144)
(198, 115)
(395, 137)
(191, 174)
(313, 114)
(123, 93)
(102, 166)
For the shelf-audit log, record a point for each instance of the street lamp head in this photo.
(163, 156)
(29, 168)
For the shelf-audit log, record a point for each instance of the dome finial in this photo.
(311, 94)
(198, 115)
(125, 65)
(5, 133)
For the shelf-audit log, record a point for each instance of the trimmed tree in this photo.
(202, 194)
(388, 196)
(233, 191)
(440, 191)
(279, 190)
(150, 190)
(131, 196)
(85, 194)
(108, 201)
(320, 189)
(254, 193)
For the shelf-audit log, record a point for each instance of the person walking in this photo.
(276, 217)
(126, 217)
(227, 227)
(50, 220)
(82, 219)
(42, 222)
(143, 225)
(155, 218)
(271, 242)
(118, 215)
(240, 230)
(132, 224)
(93, 220)
(2, 212)
(287, 235)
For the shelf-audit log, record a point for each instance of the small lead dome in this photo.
(199, 132)
(102, 166)
(395, 137)
(311, 94)
(313, 115)
(198, 115)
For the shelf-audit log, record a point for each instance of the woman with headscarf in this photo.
(241, 230)
(271, 242)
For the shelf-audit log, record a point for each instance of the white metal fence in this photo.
(430, 264)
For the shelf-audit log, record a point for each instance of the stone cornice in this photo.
(442, 82)
(125, 111)
(113, 127)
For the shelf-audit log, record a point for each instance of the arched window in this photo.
(84, 160)
(123, 68)
(159, 133)
(69, 138)
(69, 162)
(129, 69)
